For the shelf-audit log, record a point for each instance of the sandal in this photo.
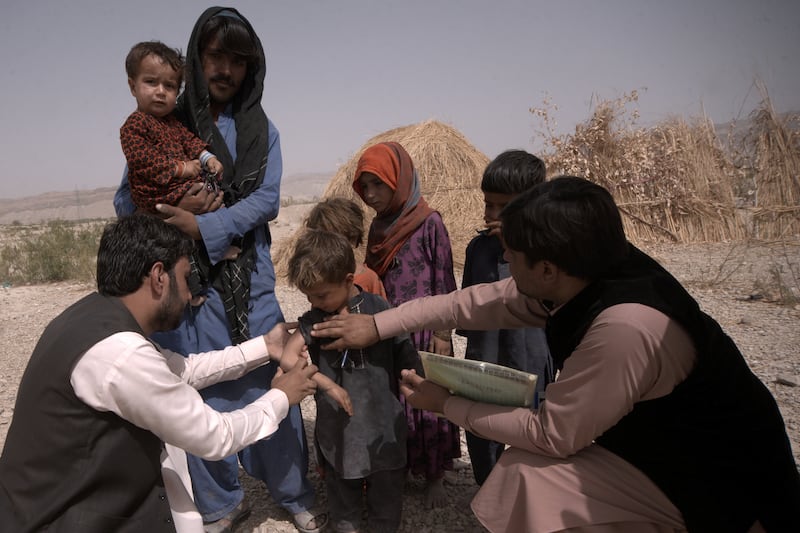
(310, 521)
(229, 522)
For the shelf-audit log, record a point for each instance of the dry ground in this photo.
(733, 283)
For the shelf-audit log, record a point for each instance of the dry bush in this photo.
(449, 168)
(678, 182)
(57, 251)
(773, 143)
(672, 182)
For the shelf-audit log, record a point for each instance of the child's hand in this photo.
(190, 169)
(494, 228)
(214, 166)
(440, 346)
(340, 396)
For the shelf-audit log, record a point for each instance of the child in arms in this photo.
(164, 158)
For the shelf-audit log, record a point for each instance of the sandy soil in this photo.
(738, 285)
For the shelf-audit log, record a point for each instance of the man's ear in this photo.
(131, 84)
(157, 277)
(550, 270)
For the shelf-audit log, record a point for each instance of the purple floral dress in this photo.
(424, 267)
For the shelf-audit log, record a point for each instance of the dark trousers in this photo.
(384, 495)
(483, 454)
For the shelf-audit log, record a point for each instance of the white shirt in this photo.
(156, 389)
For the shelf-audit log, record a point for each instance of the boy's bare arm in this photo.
(293, 351)
(297, 383)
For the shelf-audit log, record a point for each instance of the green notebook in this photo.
(480, 381)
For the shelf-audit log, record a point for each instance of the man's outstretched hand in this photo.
(349, 330)
(297, 382)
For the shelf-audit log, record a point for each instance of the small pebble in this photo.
(791, 381)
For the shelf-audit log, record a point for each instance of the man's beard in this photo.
(171, 311)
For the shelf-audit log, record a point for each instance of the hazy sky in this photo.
(341, 71)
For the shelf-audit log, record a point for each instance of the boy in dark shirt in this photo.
(508, 175)
(366, 443)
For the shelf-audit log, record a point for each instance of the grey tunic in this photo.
(374, 438)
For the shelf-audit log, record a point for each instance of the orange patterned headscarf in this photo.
(407, 210)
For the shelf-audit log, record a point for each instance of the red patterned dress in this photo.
(153, 146)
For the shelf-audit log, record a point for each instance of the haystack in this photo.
(449, 168)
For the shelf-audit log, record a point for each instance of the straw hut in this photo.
(449, 168)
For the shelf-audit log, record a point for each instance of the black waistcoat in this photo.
(65, 466)
(716, 445)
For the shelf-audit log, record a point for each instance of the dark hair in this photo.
(339, 215)
(569, 221)
(513, 172)
(320, 256)
(170, 56)
(130, 246)
(233, 34)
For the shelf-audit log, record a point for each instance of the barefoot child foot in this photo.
(435, 494)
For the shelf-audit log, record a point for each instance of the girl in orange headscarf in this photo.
(408, 246)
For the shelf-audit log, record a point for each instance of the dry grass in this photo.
(672, 182)
(677, 181)
(775, 149)
(56, 251)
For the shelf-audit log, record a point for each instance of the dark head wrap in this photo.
(246, 173)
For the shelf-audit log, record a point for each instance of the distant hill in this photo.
(63, 205)
(305, 187)
(97, 203)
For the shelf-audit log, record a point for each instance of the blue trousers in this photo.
(280, 460)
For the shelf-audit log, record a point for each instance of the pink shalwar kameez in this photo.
(553, 478)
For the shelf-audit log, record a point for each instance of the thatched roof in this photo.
(450, 170)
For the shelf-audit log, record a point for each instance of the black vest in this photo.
(65, 466)
(716, 445)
